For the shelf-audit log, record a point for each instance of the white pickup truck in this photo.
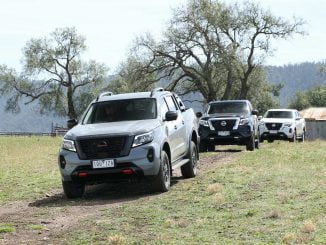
(282, 124)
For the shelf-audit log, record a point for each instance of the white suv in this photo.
(283, 124)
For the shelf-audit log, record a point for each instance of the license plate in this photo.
(223, 133)
(273, 132)
(108, 163)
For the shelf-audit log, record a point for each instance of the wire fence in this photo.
(30, 134)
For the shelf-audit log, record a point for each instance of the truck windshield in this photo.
(121, 110)
(279, 114)
(228, 107)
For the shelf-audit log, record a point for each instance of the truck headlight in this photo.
(143, 139)
(203, 123)
(68, 145)
(244, 121)
(288, 125)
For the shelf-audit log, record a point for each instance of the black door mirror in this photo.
(71, 123)
(171, 115)
(254, 112)
(199, 114)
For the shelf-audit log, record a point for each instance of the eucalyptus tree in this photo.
(54, 74)
(213, 47)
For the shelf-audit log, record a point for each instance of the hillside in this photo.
(295, 78)
(28, 120)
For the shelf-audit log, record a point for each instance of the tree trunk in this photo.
(71, 109)
(228, 88)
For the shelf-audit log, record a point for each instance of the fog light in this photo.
(150, 155)
(62, 162)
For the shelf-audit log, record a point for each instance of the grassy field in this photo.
(28, 167)
(274, 195)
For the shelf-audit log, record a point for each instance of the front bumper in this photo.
(239, 136)
(284, 133)
(136, 165)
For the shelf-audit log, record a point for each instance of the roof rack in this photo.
(160, 89)
(108, 93)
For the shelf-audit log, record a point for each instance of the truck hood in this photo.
(113, 128)
(277, 120)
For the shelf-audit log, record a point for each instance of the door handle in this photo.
(183, 122)
(175, 127)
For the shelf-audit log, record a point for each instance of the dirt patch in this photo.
(44, 220)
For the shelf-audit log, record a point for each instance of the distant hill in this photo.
(295, 78)
(28, 120)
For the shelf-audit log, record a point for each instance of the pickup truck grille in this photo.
(104, 147)
(273, 126)
(223, 124)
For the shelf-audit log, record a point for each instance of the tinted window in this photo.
(121, 110)
(228, 107)
(170, 103)
(279, 114)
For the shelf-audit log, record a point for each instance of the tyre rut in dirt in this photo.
(189, 170)
(163, 179)
(73, 189)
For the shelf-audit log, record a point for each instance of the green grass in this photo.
(6, 228)
(270, 196)
(36, 227)
(28, 167)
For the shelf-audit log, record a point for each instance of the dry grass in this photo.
(274, 214)
(116, 240)
(308, 227)
(288, 238)
(173, 222)
(214, 188)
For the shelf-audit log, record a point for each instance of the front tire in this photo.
(189, 170)
(303, 137)
(257, 141)
(251, 143)
(162, 182)
(73, 189)
(294, 137)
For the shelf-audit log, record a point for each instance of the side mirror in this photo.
(182, 107)
(71, 123)
(199, 114)
(171, 115)
(254, 112)
(260, 117)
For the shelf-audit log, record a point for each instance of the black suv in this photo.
(229, 122)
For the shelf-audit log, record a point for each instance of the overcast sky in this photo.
(110, 26)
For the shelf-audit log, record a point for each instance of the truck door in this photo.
(176, 129)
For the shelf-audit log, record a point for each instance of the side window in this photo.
(179, 102)
(170, 103)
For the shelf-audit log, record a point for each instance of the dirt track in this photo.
(57, 214)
